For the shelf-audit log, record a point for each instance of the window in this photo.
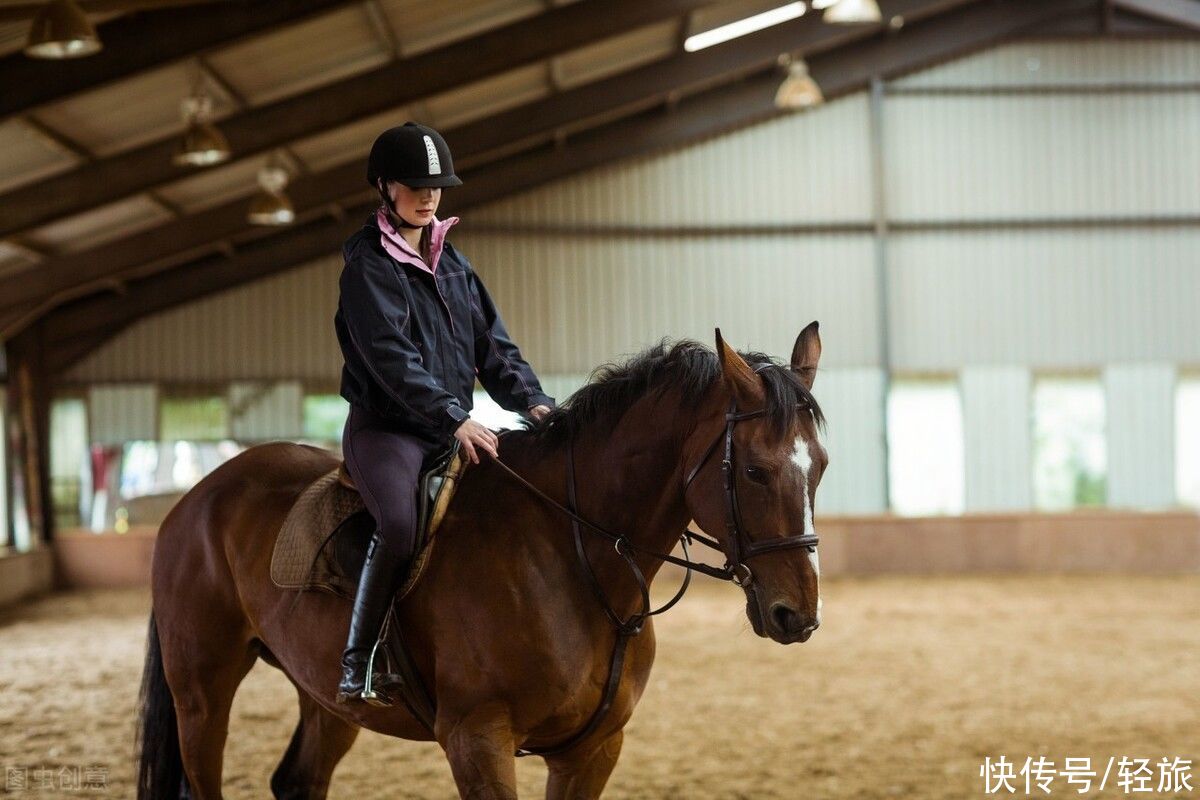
(1070, 454)
(1187, 441)
(144, 478)
(204, 417)
(925, 446)
(325, 417)
(150, 468)
(70, 467)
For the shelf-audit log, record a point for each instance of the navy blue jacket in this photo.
(413, 343)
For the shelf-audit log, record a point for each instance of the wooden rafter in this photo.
(143, 41)
(1110, 21)
(1183, 13)
(257, 130)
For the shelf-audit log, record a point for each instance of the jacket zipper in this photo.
(436, 291)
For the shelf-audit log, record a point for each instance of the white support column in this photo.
(4, 478)
(1140, 423)
(851, 400)
(997, 438)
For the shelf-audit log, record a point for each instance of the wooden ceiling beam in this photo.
(948, 36)
(474, 143)
(259, 129)
(16, 12)
(142, 41)
(1111, 22)
(79, 328)
(1181, 13)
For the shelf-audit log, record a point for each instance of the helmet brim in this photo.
(438, 182)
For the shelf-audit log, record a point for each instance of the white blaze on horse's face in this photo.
(802, 458)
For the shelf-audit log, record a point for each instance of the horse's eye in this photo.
(756, 474)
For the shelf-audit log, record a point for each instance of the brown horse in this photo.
(504, 628)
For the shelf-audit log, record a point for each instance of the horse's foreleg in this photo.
(318, 744)
(580, 774)
(479, 746)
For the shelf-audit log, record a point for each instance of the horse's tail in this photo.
(160, 767)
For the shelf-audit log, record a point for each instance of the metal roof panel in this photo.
(128, 113)
(300, 57)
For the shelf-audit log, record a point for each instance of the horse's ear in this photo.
(806, 353)
(739, 376)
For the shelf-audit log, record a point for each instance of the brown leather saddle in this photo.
(322, 543)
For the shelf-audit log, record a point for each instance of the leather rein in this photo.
(740, 550)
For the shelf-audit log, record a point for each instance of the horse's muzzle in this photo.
(786, 625)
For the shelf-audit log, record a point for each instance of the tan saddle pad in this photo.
(307, 554)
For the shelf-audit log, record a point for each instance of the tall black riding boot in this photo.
(379, 581)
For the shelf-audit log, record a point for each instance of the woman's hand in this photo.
(474, 435)
(537, 412)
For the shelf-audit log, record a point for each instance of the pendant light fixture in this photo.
(798, 90)
(271, 205)
(850, 12)
(59, 30)
(202, 144)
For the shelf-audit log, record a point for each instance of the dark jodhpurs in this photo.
(385, 462)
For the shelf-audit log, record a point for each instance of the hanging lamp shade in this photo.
(60, 29)
(202, 143)
(798, 89)
(849, 12)
(271, 206)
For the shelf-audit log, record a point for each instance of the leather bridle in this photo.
(740, 549)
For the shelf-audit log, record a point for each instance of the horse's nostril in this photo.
(786, 619)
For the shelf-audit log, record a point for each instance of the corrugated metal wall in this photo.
(260, 410)
(852, 399)
(1042, 200)
(997, 438)
(581, 301)
(1029, 156)
(122, 413)
(1140, 402)
(1044, 298)
(798, 169)
(280, 327)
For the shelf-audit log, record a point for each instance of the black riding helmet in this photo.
(413, 154)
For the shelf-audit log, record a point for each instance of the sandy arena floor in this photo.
(908, 685)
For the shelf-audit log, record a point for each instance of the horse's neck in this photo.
(628, 481)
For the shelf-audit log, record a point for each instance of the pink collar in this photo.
(403, 252)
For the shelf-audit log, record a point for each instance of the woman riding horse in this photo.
(415, 325)
(524, 627)
(531, 627)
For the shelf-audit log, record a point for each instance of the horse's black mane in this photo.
(685, 365)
